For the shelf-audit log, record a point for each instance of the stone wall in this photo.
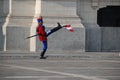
(17, 24)
(110, 39)
(81, 14)
(3, 14)
(22, 20)
(1, 23)
(61, 8)
(1, 7)
(16, 38)
(97, 38)
(88, 16)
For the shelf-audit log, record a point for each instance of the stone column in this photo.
(87, 10)
(34, 24)
(19, 25)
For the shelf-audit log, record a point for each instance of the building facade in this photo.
(94, 29)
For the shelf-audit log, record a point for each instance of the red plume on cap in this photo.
(40, 19)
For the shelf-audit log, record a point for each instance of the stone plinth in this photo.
(63, 11)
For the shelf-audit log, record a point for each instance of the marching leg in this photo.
(42, 55)
(44, 50)
(53, 30)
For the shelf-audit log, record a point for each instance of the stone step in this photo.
(61, 55)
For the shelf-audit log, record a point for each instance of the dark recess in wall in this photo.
(109, 16)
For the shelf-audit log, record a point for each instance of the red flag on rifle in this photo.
(68, 27)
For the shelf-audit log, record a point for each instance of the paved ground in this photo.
(60, 68)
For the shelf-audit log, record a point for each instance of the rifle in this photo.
(70, 29)
(39, 34)
(32, 36)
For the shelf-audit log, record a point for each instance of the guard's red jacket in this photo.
(41, 31)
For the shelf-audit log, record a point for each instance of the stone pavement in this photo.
(65, 66)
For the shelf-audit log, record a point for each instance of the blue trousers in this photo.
(45, 44)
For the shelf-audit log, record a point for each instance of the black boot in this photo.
(42, 55)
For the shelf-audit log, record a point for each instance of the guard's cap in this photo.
(40, 19)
